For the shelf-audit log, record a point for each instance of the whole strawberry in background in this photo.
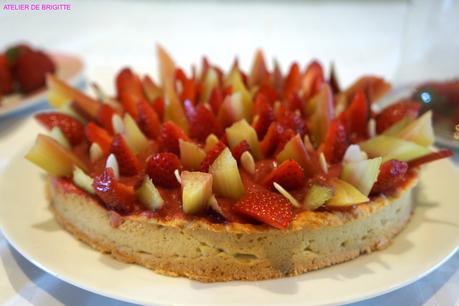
(28, 68)
(6, 79)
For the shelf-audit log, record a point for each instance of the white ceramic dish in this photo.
(69, 68)
(430, 238)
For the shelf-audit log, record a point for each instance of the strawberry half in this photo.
(169, 136)
(265, 114)
(104, 117)
(73, 129)
(216, 99)
(396, 112)
(391, 174)
(336, 142)
(161, 167)
(211, 156)
(127, 160)
(158, 106)
(98, 135)
(270, 141)
(114, 194)
(357, 116)
(239, 149)
(128, 82)
(6, 79)
(203, 123)
(289, 175)
(148, 120)
(188, 86)
(293, 81)
(31, 69)
(444, 153)
(267, 207)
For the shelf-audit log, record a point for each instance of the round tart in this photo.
(220, 177)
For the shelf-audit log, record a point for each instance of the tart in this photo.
(231, 176)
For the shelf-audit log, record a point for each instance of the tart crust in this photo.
(211, 252)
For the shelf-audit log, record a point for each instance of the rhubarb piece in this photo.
(70, 127)
(345, 194)
(391, 174)
(397, 127)
(196, 191)
(322, 115)
(117, 124)
(267, 207)
(95, 152)
(161, 167)
(151, 90)
(169, 137)
(286, 194)
(191, 155)
(211, 141)
(83, 180)
(247, 162)
(317, 195)
(134, 136)
(227, 180)
(295, 150)
(209, 83)
(393, 148)
(444, 153)
(396, 112)
(234, 79)
(362, 174)
(61, 92)
(114, 194)
(419, 131)
(241, 131)
(127, 160)
(56, 134)
(231, 110)
(288, 174)
(49, 155)
(148, 195)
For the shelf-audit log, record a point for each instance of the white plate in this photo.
(430, 238)
(69, 68)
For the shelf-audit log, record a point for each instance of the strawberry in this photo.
(169, 136)
(394, 113)
(444, 153)
(284, 136)
(291, 120)
(127, 160)
(158, 106)
(265, 114)
(98, 135)
(188, 86)
(215, 99)
(294, 103)
(265, 206)
(72, 129)
(289, 175)
(128, 82)
(211, 156)
(271, 138)
(313, 80)
(161, 167)
(292, 81)
(391, 174)
(130, 101)
(31, 69)
(6, 79)
(114, 194)
(239, 149)
(203, 123)
(104, 117)
(357, 116)
(336, 142)
(268, 91)
(148, 120)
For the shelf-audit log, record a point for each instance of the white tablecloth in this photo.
(359, 37)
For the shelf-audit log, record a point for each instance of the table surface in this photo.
(367, 41)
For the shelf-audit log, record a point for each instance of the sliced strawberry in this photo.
(336, 142)
(148, 120)
(216, 99)
(127, 160)
(396, 112)
(357, 116)
(73, 129)
(291, 120)
(270, 141)
(267, 207)
(293, 81)
(211, 156)
(169, 136)
(294, 103)
(31, 69)
(312, 80)
(129, 102)
(265, 114)
(284, 137)
(158, 106)
(289, 175)
(239, 149)
(6, 79)
(188, 86)
(203, 123)
(114, 194)
(161, 167)
(128, 82)
(268, 91)
(98, 135)
(104, 117)
(444, 153)
(391, 174)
